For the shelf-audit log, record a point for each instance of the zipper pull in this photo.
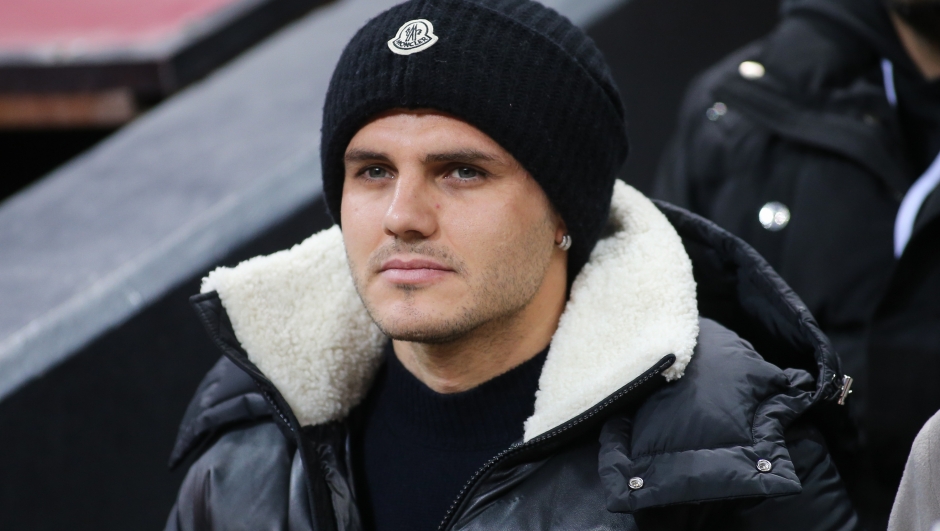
(846, 389)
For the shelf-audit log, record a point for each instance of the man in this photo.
(497, 335)
(818, 145)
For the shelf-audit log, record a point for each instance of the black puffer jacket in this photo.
(728, 442)
(816, 133)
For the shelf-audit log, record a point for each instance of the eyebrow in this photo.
(465, 156)
(363, 155)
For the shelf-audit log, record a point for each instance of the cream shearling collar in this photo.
(297, 315)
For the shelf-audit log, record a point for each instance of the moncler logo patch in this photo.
(413, 37)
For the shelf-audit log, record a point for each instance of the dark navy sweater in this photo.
(415, 448)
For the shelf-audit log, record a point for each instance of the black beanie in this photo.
(514, 69)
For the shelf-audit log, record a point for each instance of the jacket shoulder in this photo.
(703, 88)
(225, 397)
(250, 478)
(727, 390)
(728, 433)
(698, 152)
(738, 288)
(722, 424)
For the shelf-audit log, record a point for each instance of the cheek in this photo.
(497, 231)
(362, 228)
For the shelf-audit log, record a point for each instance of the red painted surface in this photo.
(96, 24)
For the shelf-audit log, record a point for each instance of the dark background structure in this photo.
(655, 48)
(29, 154)
(31, 147)
(85, 446)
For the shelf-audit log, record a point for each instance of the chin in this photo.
(407, 321)
(420, 330)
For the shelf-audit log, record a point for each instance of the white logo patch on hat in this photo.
(413, 37)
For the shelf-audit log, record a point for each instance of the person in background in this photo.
(818, 145)
(917, 505)
(498, 334)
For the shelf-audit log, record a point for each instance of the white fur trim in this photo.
(633, 303)
(297, 315)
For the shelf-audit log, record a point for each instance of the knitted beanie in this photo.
(514, 69)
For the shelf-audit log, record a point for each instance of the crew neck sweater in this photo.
(416, 448)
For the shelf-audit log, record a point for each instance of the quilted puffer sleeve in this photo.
(249, 480)
(823, 503)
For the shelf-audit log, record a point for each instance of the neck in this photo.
(493, 348)
(923, 52)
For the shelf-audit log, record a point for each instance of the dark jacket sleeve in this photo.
(250, 479)
(823, 504)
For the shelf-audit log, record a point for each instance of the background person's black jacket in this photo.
(817, 134)
(697, 442)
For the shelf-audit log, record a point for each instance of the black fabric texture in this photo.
(220, 477)
(226, 395)
(753, 420)
(817, 134)
(864, 28)
(417, 447)
(731, 408)
(919, 114)
(516, 70)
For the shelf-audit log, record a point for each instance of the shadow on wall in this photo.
(655, 48)
(86, 445)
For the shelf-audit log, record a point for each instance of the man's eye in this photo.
(376, 172)
(466, 173)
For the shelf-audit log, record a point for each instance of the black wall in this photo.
(86, 445)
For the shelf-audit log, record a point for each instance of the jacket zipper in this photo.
(518, 447)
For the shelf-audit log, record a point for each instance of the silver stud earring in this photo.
(565, 242)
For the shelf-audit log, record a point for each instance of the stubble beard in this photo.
(497, 295)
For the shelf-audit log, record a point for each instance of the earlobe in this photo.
(562, 238)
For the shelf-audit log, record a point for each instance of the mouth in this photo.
(413, 271)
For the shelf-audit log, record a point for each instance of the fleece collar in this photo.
(297, 315)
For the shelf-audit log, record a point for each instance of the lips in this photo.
(413, 271)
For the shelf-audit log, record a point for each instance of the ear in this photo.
(560, 228)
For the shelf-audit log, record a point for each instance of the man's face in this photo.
(444, 230)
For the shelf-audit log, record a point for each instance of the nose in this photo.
(411, 214)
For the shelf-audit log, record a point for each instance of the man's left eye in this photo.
(376, 172)
(466, 173)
